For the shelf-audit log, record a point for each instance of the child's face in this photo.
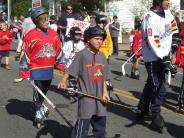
(77, 37)
(95, 42)
(3, 26)
(42, 22)
(52, 21)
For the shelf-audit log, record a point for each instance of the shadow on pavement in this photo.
(121, 59)
(20, 108)
(175, 88)
(175, 130)
(136, 94)
(122, 111)
(55, 129)
(118, 75)
(24, 110)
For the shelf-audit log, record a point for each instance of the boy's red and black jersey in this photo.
(41, 52)
(5, 40)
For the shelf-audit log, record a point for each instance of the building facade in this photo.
(127, 10)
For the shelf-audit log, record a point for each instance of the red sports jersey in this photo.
(41, 52)
(5, 40)
(180, 51)
(137, 43)
(180, 55)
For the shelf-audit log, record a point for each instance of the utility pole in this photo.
(52, 7)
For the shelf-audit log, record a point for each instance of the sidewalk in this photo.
(124, 47)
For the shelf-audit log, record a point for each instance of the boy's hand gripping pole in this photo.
(128, 60)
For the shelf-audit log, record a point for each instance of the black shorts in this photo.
(4, 54)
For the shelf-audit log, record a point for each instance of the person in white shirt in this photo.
(158, 27)
(73, 46)
(70, 49)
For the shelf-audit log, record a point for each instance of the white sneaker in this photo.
(18, 80)
(45, 110)
(39, 116)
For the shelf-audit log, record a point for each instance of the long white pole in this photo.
(9, 10)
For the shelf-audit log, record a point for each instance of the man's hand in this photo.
(62, 85)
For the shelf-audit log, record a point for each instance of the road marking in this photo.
(2, 106)
(169, 107)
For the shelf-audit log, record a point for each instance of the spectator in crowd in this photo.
(5, 43)
(62, 22)
(53, 22)
(4, 16)
(18, 26)
(115, 28)
(131, 38)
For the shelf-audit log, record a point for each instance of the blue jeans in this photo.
(154, 91)
(181, 95)
(115, 45)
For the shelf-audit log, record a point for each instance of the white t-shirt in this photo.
(70, 49)
(53, 26)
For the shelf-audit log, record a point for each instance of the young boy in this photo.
(91, 69)
(42, 48)
(6, 37)
(73, 46)
(135, 47)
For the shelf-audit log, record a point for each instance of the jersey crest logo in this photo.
(98, 73)
(149, 31)
(47, 51)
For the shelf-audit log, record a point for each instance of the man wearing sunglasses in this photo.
(62, 22)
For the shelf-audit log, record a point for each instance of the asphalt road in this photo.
(16, 101)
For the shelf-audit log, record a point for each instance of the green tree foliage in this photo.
(21, 7)
(89, 5)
